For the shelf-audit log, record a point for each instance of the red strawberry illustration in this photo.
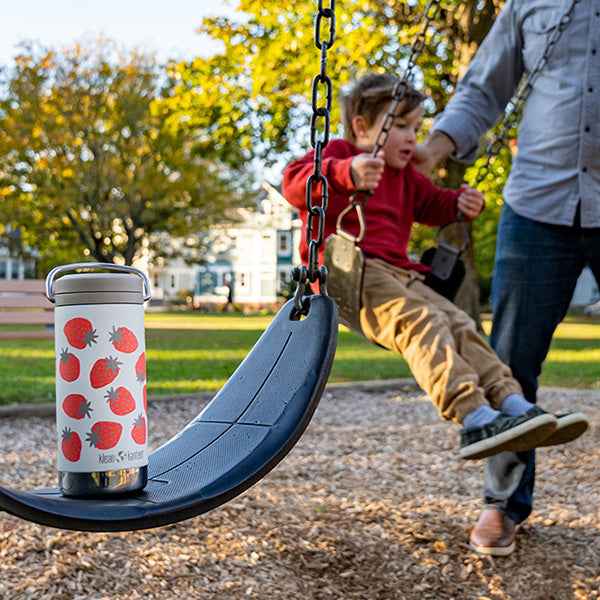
(68, 366)
(121, 401)
(145, 400)
(138, 432)
(80, 333)
(76, 406)
(123, 340)
(140, 367)
(70, 445)
(104, 435)
(104, 371)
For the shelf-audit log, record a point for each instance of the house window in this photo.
(3, 269)
(243, 280)
(284, 243)
(283, 282)
(267, 285)
(156, 281)
(172, 282)
(15, 270)
(29, 270)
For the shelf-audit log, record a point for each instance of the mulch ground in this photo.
(373, 503)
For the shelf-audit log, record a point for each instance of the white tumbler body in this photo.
(101, 409)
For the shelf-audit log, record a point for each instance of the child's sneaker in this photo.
(508, 434)
(568, 428)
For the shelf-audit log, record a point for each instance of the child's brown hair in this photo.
(370, 95)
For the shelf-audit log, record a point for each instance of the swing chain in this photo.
(318, 139)
(399, 91)
(517, 102)
(358, 199)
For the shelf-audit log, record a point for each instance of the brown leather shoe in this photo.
(494, 533)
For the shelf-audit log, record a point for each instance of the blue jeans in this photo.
(536, 269)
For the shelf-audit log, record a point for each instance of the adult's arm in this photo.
(482, 94)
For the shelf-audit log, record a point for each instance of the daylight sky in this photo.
(164, 26)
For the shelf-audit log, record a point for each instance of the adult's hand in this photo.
(434, 148)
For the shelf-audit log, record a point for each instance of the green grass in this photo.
(192, 352)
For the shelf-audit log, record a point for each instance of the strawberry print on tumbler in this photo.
(79, 333)
(100, 386)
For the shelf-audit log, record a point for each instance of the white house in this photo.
(11, 266)
(15, 268)
(250, 261)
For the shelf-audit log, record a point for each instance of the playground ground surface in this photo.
(373, 503)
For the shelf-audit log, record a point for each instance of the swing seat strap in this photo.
(345, 267)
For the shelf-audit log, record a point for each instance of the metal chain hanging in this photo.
(358, 199)
(325, 19)
(517, 102)
(399, 91)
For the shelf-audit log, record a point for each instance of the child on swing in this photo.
(450, 361)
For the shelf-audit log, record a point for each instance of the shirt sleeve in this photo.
(335, 168)
(434, 206)
(488, 84)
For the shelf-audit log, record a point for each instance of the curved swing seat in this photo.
(248, 427)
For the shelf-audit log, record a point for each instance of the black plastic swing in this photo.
(248, 427)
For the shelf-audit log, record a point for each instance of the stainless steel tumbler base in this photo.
(104, 483)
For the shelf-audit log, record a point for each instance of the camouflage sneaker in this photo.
(507, 434)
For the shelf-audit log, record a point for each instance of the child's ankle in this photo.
(482, 415)
(515, 405)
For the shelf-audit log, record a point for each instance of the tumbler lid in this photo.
(127, 285)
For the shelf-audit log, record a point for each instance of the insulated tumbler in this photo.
(101, 411)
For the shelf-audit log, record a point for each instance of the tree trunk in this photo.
(474, 19)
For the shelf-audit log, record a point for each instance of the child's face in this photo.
(401, 141)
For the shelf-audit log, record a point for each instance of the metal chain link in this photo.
(399, 91)
(358, 199)
(325, 18)
(515, 106)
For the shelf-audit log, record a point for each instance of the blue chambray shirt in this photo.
(557, 165)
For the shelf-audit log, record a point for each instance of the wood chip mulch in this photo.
(373, 504)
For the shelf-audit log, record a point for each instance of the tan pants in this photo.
(451, 362)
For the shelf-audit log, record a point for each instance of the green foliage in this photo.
(92, 165)
(100, 151)
(257, 94)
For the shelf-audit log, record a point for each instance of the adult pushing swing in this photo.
(343, 257)
(250, 425)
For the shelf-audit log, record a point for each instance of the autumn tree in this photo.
(93, 167)
(266, 71)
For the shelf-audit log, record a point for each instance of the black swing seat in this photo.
(248, 427)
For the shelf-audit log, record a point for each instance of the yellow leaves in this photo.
(47, 61)
(68, 173)
(440, 547)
